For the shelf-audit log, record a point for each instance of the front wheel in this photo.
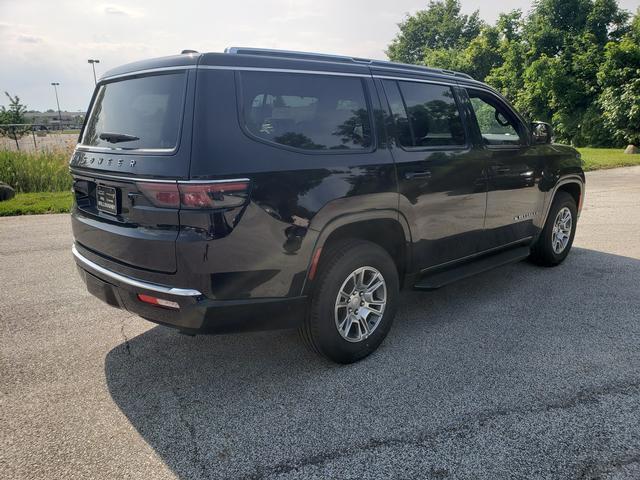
(354, 301)
(556, 238)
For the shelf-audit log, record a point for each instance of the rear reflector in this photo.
(160, 302)
(314, 264)
(196, 195)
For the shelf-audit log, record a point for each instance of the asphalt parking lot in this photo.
(521, 372)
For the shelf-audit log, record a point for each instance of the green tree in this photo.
(549, 63)
(477, 58)
(440, 26)
(13, 115)
(566, 41)
(619, 77)
(15, 112)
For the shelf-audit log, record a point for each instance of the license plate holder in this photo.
(107, 199)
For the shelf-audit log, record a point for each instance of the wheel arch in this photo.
(386, 228)
(573, 185)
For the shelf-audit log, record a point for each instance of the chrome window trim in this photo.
(283, 70)
(401, 68)
(418, 80)
(180, 292)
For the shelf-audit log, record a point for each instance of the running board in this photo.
(433, 281)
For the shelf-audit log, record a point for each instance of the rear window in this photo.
(311, 112)
(137, 113)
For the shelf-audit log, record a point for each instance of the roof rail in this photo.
(341, 59)
(294, 54)
(418, 68)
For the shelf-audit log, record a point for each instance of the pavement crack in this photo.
(196, 455)
(595, 470)
(427, 438)
(127, 346)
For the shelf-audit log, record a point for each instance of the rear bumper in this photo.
(197, 313)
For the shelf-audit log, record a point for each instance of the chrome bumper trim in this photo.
(181, 292)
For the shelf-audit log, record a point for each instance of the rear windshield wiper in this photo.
(118, 137)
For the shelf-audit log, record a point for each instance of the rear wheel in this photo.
(354, 301)
(556, 239)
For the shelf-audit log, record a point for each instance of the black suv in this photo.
(259, 189)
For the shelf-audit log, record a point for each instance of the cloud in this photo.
(291, 16)
(29, 39)
(118, 10)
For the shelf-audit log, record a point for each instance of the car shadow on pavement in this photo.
(259, 404)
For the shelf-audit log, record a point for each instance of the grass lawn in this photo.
(33, 203)
(599, 158)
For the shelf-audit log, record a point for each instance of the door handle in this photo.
(417, 174)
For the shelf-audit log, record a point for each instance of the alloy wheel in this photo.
(360, 304)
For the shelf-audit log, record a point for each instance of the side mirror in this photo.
(542, 132)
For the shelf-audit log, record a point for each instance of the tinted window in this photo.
(143, 113)
(312, 112)
(497, 124)
(432, 114)
(401, 121)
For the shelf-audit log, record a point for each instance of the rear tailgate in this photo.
(138, 130)
(138, 235)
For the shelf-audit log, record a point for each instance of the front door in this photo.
(514, 170)
(440, 176)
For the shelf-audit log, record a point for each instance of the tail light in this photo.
(213, 195)
(196, 195)
(161, 194)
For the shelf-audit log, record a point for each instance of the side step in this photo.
(433, 281)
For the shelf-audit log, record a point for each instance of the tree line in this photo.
(572, 63)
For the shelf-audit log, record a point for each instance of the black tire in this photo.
(338, 262)
(542, 252)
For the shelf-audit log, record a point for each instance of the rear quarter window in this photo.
(306, 111)
(137, 113)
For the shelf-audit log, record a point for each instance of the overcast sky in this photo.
(50, 41)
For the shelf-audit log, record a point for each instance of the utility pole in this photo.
(93, 62)
(55, 88)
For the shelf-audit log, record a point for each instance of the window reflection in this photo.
(311, 112)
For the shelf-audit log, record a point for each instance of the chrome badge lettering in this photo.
(525, 216)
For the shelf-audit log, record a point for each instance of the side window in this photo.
(399, 113)
(426, 115)
(497, 124)
(311, 112)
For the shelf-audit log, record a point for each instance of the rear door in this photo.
(441, 178)
(136, 136)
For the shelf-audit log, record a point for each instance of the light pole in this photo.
(93, 62)
(55, 88)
